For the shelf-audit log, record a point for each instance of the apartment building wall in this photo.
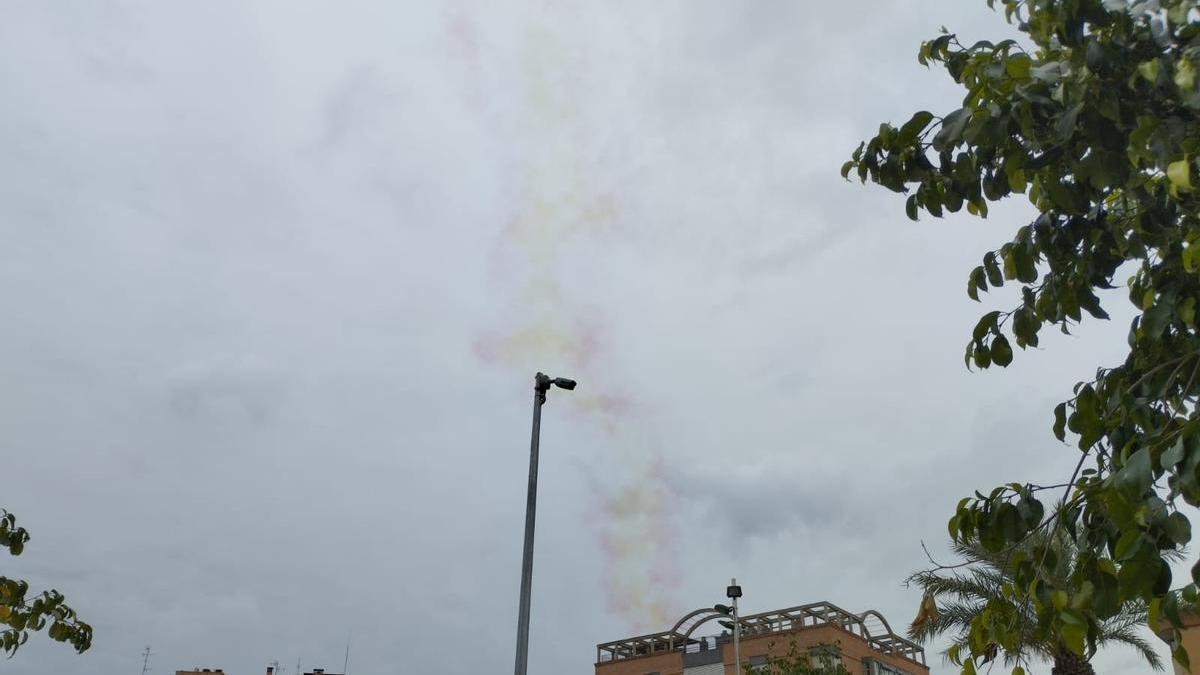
(854, 650)
(1191, 641)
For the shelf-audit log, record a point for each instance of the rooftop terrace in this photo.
(869, 625)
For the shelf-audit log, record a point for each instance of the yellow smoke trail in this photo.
(558, 209)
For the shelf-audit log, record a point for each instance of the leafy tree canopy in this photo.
(977, 586)
(1093, 116)
(21, 614)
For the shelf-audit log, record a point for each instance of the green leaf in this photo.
(1181, 656)
(1185, 75)
(976, 283)
(910, 207)
(985, 325)
(1180, 175)
(1189, 257)
(1018, 66)
(1135, 476)
(1065, 127)
(983, 356)
(1179, 528)
(915, 125)
(1002, 353)
(1083, 598)
(1070, 616)
(1149, 70)
(1059, 600)
(1128, 545)
(952, 129)
(1172, 456)
(1187, 311)
(1073, 637)
(1162, 581)
(994, 276)
(1089, 301)
(1060, 421)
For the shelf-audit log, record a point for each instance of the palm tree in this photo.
(962, 592)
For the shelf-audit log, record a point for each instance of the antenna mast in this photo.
(146, 653)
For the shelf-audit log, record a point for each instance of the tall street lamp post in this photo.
(733, 592)
(541, 384)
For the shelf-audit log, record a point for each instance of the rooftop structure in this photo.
(864, 638)
(1190, 635)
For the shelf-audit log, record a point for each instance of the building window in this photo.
(759, 664)
(825, 657)
(880, 668)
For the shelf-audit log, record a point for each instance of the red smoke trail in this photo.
(556, 210)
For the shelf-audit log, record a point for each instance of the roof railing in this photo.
(880, 637)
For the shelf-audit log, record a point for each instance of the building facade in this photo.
(866, 642)
(1190, 635)
(218, 671)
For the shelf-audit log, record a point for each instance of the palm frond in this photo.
(961, 594)
(1130, 637)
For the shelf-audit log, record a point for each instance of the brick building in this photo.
(868, 644)
(1191, 639)
(218, 671)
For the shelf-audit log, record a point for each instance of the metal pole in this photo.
(737, 630)
(541, 383)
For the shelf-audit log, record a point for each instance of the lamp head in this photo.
(542, 383)
(724, 609)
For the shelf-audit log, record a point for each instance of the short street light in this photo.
(733, 591)
(541, 384)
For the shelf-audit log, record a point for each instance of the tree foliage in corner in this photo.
(966, 590)
(1094, 116)
(19, 614)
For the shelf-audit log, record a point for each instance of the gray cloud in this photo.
(261, 261)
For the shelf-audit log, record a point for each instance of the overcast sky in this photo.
(276, 276)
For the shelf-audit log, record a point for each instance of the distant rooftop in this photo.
(869, 625)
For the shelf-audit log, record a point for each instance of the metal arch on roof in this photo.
(712, 613)
(778, 621)
(886, 626)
